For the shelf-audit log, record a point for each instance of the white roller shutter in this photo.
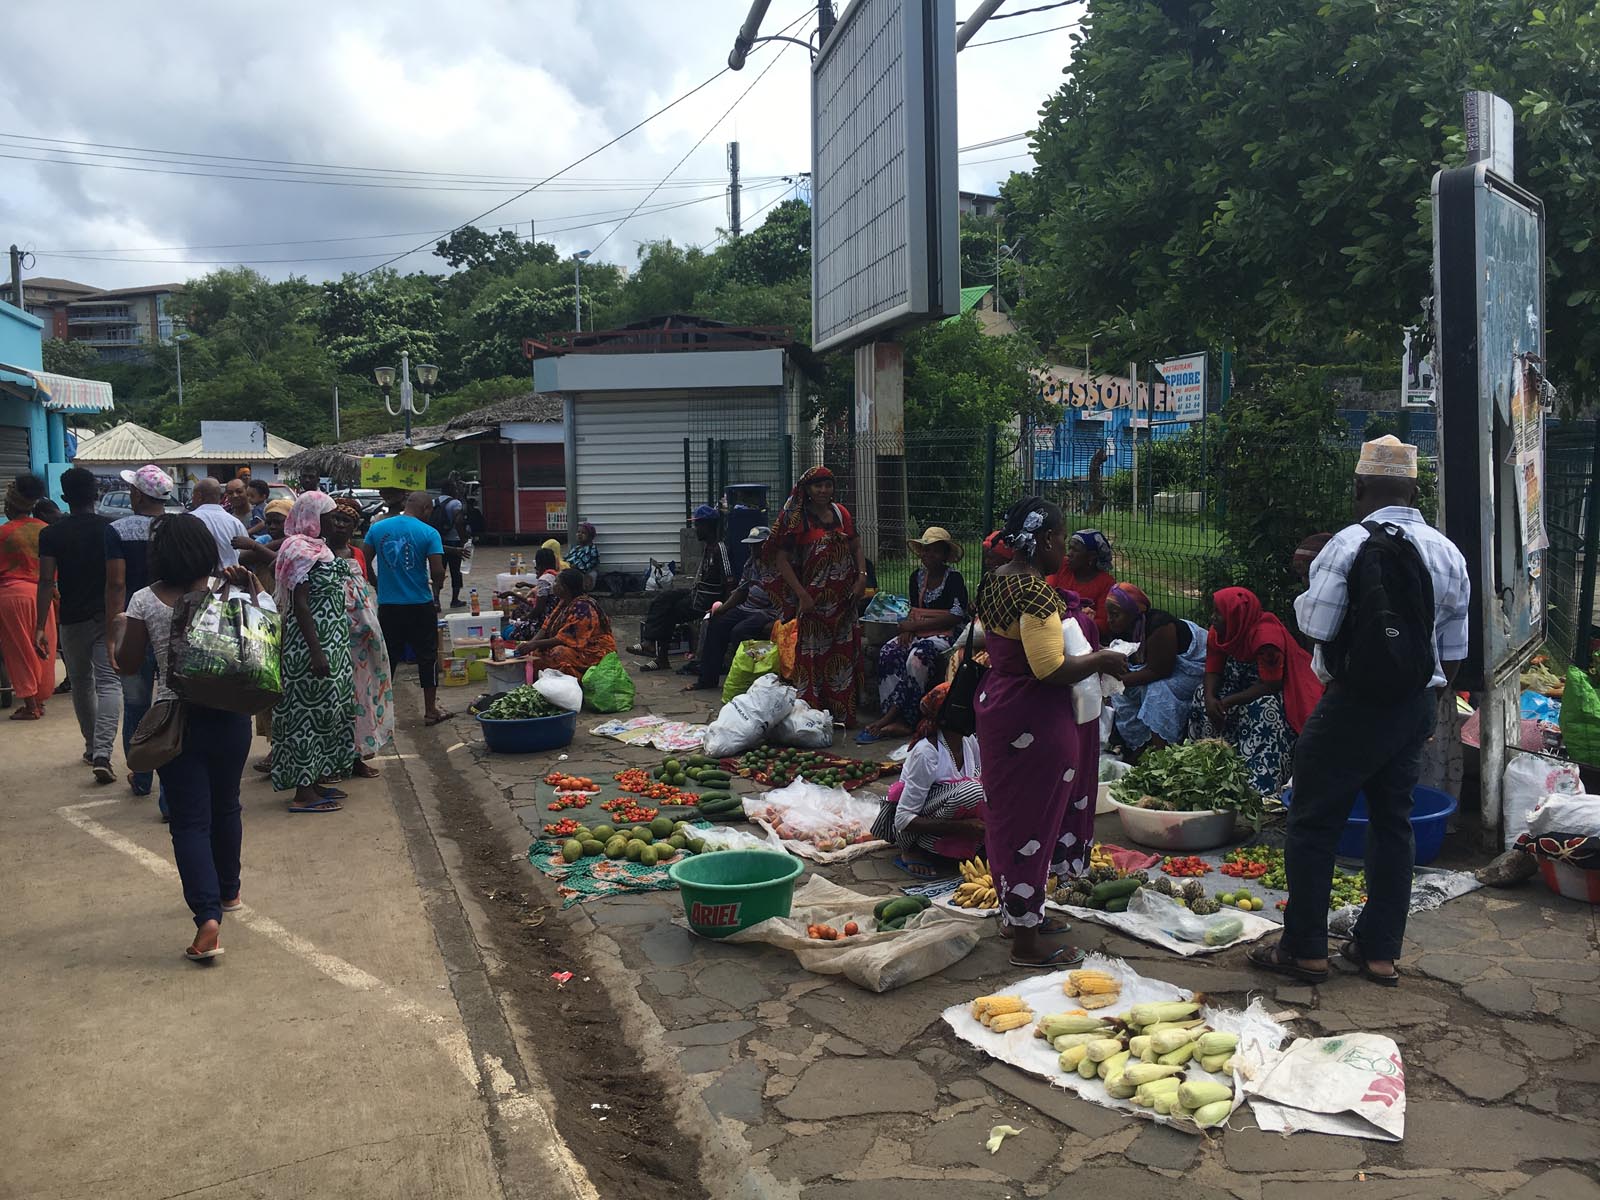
(15, 453)
(629, 466)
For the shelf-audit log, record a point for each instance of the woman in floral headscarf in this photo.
(313, 725)
(1086, 572)
(814, 548)
(369, 654)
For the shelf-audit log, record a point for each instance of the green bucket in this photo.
(732, 890)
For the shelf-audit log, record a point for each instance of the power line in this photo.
(699, 87)
(1002, 158)
(783, 195)
(1023, 12)
(1019, 36)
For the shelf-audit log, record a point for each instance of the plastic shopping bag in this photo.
(744, 721)
(562, 689)
(1580, 718)
(1086, 695)
(607, 687)
(1353, 1085)
(224, 651)
(1529, 778)
(786, 634)
(751, 660)
(819, 823)
(805, 727)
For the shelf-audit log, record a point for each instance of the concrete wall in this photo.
(20, 344)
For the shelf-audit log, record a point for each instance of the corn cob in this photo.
(1113, 1065)
(1164, 1010)
(1169, 1040)
(994, 1005)
(1009, 1021)
(1104, 1048)
(1197, 1093)
(1179, 1056)
(1213, 1062)
(1215, 1042)
(1072, 1056)
(1138, 1045)
(1162, 1102)
(1215, 1113)
(1090, 982)
(1073, 1039)
(1070, 988)
(1117, 1089)
(1227, 1067)
(1141, 1072)
(1098, 999)
(1148, 1092)
(1057, 1024)
(1087, 1067)
(1162, 1026)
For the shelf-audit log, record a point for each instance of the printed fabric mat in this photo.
(598, 876)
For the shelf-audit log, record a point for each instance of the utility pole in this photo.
(733, 189)
(16, 276)
(336, 412)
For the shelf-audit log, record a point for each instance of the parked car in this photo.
(120, 504)
(370, 499)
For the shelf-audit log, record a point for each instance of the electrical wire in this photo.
(1023, 12)
(999, 141)
(1020, 36)
(783, 195)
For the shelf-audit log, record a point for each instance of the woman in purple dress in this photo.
(1040, 752)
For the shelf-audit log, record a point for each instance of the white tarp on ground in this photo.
(1352, 1084)
(1043, 995)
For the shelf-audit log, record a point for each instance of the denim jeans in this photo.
(136, 694)
(97, 696)
(202, 796)
(727, 627)
(1351, 745)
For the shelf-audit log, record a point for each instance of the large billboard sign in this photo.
(885, 239)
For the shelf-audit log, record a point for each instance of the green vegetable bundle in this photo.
(523, 704)
(1192, 777)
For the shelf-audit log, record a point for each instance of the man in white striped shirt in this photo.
(1353, 744)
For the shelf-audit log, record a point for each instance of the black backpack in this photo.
(1385, 649)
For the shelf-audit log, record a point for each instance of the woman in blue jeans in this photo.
(202, 782)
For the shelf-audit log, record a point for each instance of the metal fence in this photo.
(1570, 450)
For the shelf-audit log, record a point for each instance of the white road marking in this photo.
(453, 1041)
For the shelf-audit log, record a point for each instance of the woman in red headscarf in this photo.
(935, 812)
(1259, 687)
(814, 548)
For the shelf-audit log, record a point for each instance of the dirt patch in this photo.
(636, 1150)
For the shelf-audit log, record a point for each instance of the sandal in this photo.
(1047, 926)
(233, 905)
(1061, 956)
(919, 870)
(1351, 953)
(1272, 958)
(331, 793)
(323, 805)
(444, 716)
(202, 956)
(654, 666)
(639, 649)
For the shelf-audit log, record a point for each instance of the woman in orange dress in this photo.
(30, 664)
(576, 634)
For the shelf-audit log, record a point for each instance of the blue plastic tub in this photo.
(1430, 814)
(529, 736)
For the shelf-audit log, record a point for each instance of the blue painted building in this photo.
(1095, 412)
(36, 405)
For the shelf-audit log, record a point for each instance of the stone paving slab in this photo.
(845, 1094)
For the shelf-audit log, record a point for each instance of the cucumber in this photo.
(715, 795)
(1117, 904)
(1111, 889)
(700, 760)
(877, 912)
(1220, 933)
(709, 776)
(905, 906)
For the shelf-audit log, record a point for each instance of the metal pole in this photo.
(405, 392)
(177, 343)
(825, 21)
(975, 22)
(688, 484)
(1222, 408)
(990, 455)
(1133, 426)
(336, 412)
(734, 228)
(577, 295)
(1591, 549)
(16, 276)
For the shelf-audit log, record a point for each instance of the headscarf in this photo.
(1248, 630)
(554, 547)
(303, 547)
(995, 544)
(1097, 544)
(932, 703)
(1131, 598)
(1023, 524)
(587, 527)
(791, 519)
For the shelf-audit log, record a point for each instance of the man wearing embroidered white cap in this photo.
(1387, 608)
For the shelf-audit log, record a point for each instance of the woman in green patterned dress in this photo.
(314, 723)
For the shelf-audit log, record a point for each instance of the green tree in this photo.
(960, 379)
(491, 344)
(65, 357)
(471, 248)
(367, 321)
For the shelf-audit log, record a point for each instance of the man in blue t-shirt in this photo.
(405, 560)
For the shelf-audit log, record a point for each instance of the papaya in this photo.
(571, 850)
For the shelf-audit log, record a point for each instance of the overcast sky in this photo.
(478, 88)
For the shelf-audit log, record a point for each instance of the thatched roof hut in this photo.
(342, 462)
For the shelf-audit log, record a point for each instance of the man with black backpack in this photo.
(1387, 609)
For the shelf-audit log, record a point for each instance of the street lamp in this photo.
(427, 376)
(577, 288)
(177, 342)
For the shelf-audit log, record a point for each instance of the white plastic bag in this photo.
(560, 689)
(877, 961)
(1087, 699)
(823, 824)
(1529, 778)
(806, 727)
(1566, 816)
(659, 578)
(744, 721)
(1351, 1085)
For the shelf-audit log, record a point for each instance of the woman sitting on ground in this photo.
(576, 634)
(1170, 663)
(935, 812)
(908, 661)
(1259, 687)
(1087, 574)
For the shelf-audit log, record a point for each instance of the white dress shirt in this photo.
(1320, 611)
(224, 527)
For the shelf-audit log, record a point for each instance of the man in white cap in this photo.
(127, 545)
(1387, 608)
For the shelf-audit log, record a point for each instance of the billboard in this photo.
(1186, 386)
(885, 242)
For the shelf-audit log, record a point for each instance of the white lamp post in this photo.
(427, 376)
(577, 289)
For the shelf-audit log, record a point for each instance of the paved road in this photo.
(325, 1055)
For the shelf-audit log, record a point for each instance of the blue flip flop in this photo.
(866, 737)
(333, 793)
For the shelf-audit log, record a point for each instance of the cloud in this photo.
(481, 87)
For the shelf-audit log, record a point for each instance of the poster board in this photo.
(1185, 380)
(408, 469)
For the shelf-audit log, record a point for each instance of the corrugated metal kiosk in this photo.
(628, 415)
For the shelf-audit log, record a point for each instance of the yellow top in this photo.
(1025, 608)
